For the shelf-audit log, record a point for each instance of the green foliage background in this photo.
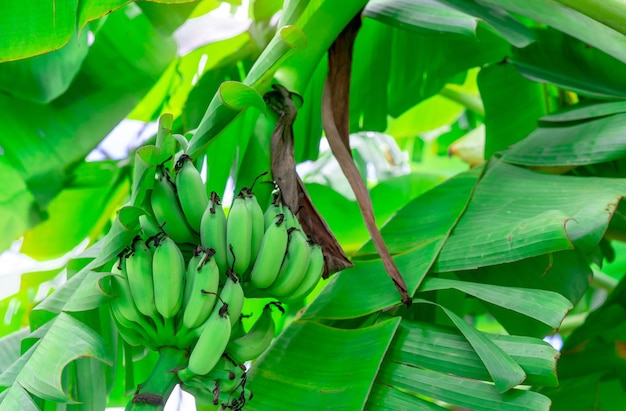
(523, 244)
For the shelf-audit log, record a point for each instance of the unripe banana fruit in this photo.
(211, 344)
(167, 210)
(191, 191)
(232, 295)
(294, 265)
(138, 269)
(238, 234)
(168, 272)
(205, 281)
(213, 231)
(258, 226)
(257, 340)
(271, 254)
(311, 278)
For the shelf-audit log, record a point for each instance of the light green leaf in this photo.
(341, 378)
(17, 398)
(18, 210)
(43, 78)
(45, 142)
(41, 374)
(44, 28)
(545, 306)
(144, 167)
(79, 212)
(285, 42)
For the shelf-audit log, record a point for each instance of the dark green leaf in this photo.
(471, 394)
(592, 141)
(568, 21)
(423, 16)
(572, 64)
(532, 219)
(545, 306)
(341, 378)
(503, 369)
(508, 120)
(446, 350)
(366, 288)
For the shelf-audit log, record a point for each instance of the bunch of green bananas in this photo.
(182, 281)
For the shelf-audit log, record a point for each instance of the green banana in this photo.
(311, 277)
(168, 273)
(149, 226)
(213, 231)
(232, 295)
(192, 270)
(258, 224)
(238, 234)
(130, 332)
(271, 253)
(203, 291)
(272, 211)
(138, 270)
(211, 344)
(294, 265)
(292, 219)
(191, 191)
(125, 311)
(167, 211)
(256, 341)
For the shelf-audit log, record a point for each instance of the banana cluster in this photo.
(182, 281)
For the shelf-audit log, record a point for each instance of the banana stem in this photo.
(154, 392)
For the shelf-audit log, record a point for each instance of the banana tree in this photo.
(487, 137)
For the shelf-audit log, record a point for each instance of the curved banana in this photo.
(311, 277)
(130, 332)
(168, 274)
(167, 211)
(149, 226)
(203, 291)
(211, 344)
(290, 218)
(126, 313)
(258, 224)
(232, 295)
(192, 270)
(271, 254)
(294, 265)
(191, 191)
(256, 341)
(138, 270)
(238, 234)
(272, 211)
(213, 231)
